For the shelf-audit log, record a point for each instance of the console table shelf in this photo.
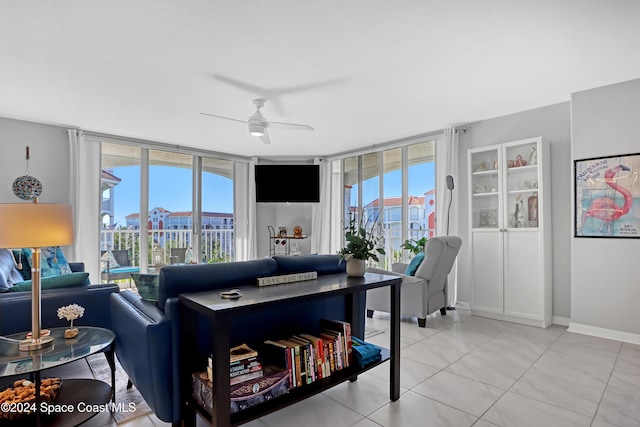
(223, 312)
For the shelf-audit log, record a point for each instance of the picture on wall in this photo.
(607, 191)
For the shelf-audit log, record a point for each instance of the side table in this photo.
(82, 395)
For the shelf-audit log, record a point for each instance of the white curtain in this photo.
(85, 194)
(245, 210)
(321, 212)
(447, 200)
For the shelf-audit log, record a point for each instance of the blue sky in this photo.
(170, 188)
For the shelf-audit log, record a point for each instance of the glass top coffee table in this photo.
(77, 396)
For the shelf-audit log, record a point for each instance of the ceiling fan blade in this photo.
(265, 138)
(226, 118)
(290, 126)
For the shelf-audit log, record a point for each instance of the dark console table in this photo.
(222, 312)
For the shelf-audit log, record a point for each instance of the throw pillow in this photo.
(108, 259)
(188, 256)
(53, 282)
(45, 270)
(9, 273)
(56, 261)
(414, 264)
(22, 261)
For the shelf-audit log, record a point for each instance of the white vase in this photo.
(355, 267)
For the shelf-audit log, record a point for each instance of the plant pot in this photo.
(355, 267)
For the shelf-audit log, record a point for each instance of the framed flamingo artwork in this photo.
(607, 191)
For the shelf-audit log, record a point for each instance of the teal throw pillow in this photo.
(55, 260)
(54, 282)
(45, 270)
(414, 264)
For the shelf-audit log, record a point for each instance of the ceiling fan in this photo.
(258, 124)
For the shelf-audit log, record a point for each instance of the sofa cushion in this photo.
(414, 264)
(54, 282)
(322, 264)
(9, 273)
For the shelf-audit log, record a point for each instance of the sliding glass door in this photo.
(397, 191)
(166, 207)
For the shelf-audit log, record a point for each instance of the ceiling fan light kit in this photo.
(256, 130)
(258, 124)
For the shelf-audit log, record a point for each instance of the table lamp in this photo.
(35, 225)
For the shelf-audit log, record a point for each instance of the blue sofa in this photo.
(148, 334)
(15, 307)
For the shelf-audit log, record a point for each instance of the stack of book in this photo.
(308, 357)
(245, 365)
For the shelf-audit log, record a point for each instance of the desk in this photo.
(222, 313)
(89, 341)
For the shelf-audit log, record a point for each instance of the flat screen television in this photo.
(287, 183)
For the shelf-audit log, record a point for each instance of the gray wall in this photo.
(605, 288)
(49, 146)
(553, 124)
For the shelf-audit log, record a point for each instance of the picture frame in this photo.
(607, 197)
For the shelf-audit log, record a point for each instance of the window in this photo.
(406, 178)
(166, 180)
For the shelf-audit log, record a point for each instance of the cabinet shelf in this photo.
(487, 172)
(516, 169)
(524, 190)
(491, 193)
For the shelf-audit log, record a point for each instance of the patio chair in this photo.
(123, 269)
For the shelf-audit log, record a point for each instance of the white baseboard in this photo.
(562, 321)
(604, 333)
(462, 305)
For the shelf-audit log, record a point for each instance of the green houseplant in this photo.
(415, 246)
(362, 244)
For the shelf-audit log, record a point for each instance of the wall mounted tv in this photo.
(287, 183)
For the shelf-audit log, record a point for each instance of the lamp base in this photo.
(31, 344)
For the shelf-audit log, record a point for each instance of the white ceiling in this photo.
(361, 72)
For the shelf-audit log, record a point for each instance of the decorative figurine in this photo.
(71, 312)
(533, 159)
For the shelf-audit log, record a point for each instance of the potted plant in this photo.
(415, 246)
(362, 245)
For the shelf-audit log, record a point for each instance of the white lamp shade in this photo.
(35, 225)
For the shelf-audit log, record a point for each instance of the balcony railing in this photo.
(217, 244)
(393, 244)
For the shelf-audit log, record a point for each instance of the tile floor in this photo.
(468, 371)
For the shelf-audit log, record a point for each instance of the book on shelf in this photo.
(309, 357)
(345, 329)
(241, 352)
(277, 354)
(318, 350)
(246, 377)
(335, 340)
(300, 377)
(242, 370)
(244, 366)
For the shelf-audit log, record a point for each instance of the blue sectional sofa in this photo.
(15, 307)
(148, 334)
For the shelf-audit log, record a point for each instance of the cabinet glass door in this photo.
(485, 188)
(521, 184)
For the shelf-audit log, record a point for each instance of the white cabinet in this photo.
(510, 232)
